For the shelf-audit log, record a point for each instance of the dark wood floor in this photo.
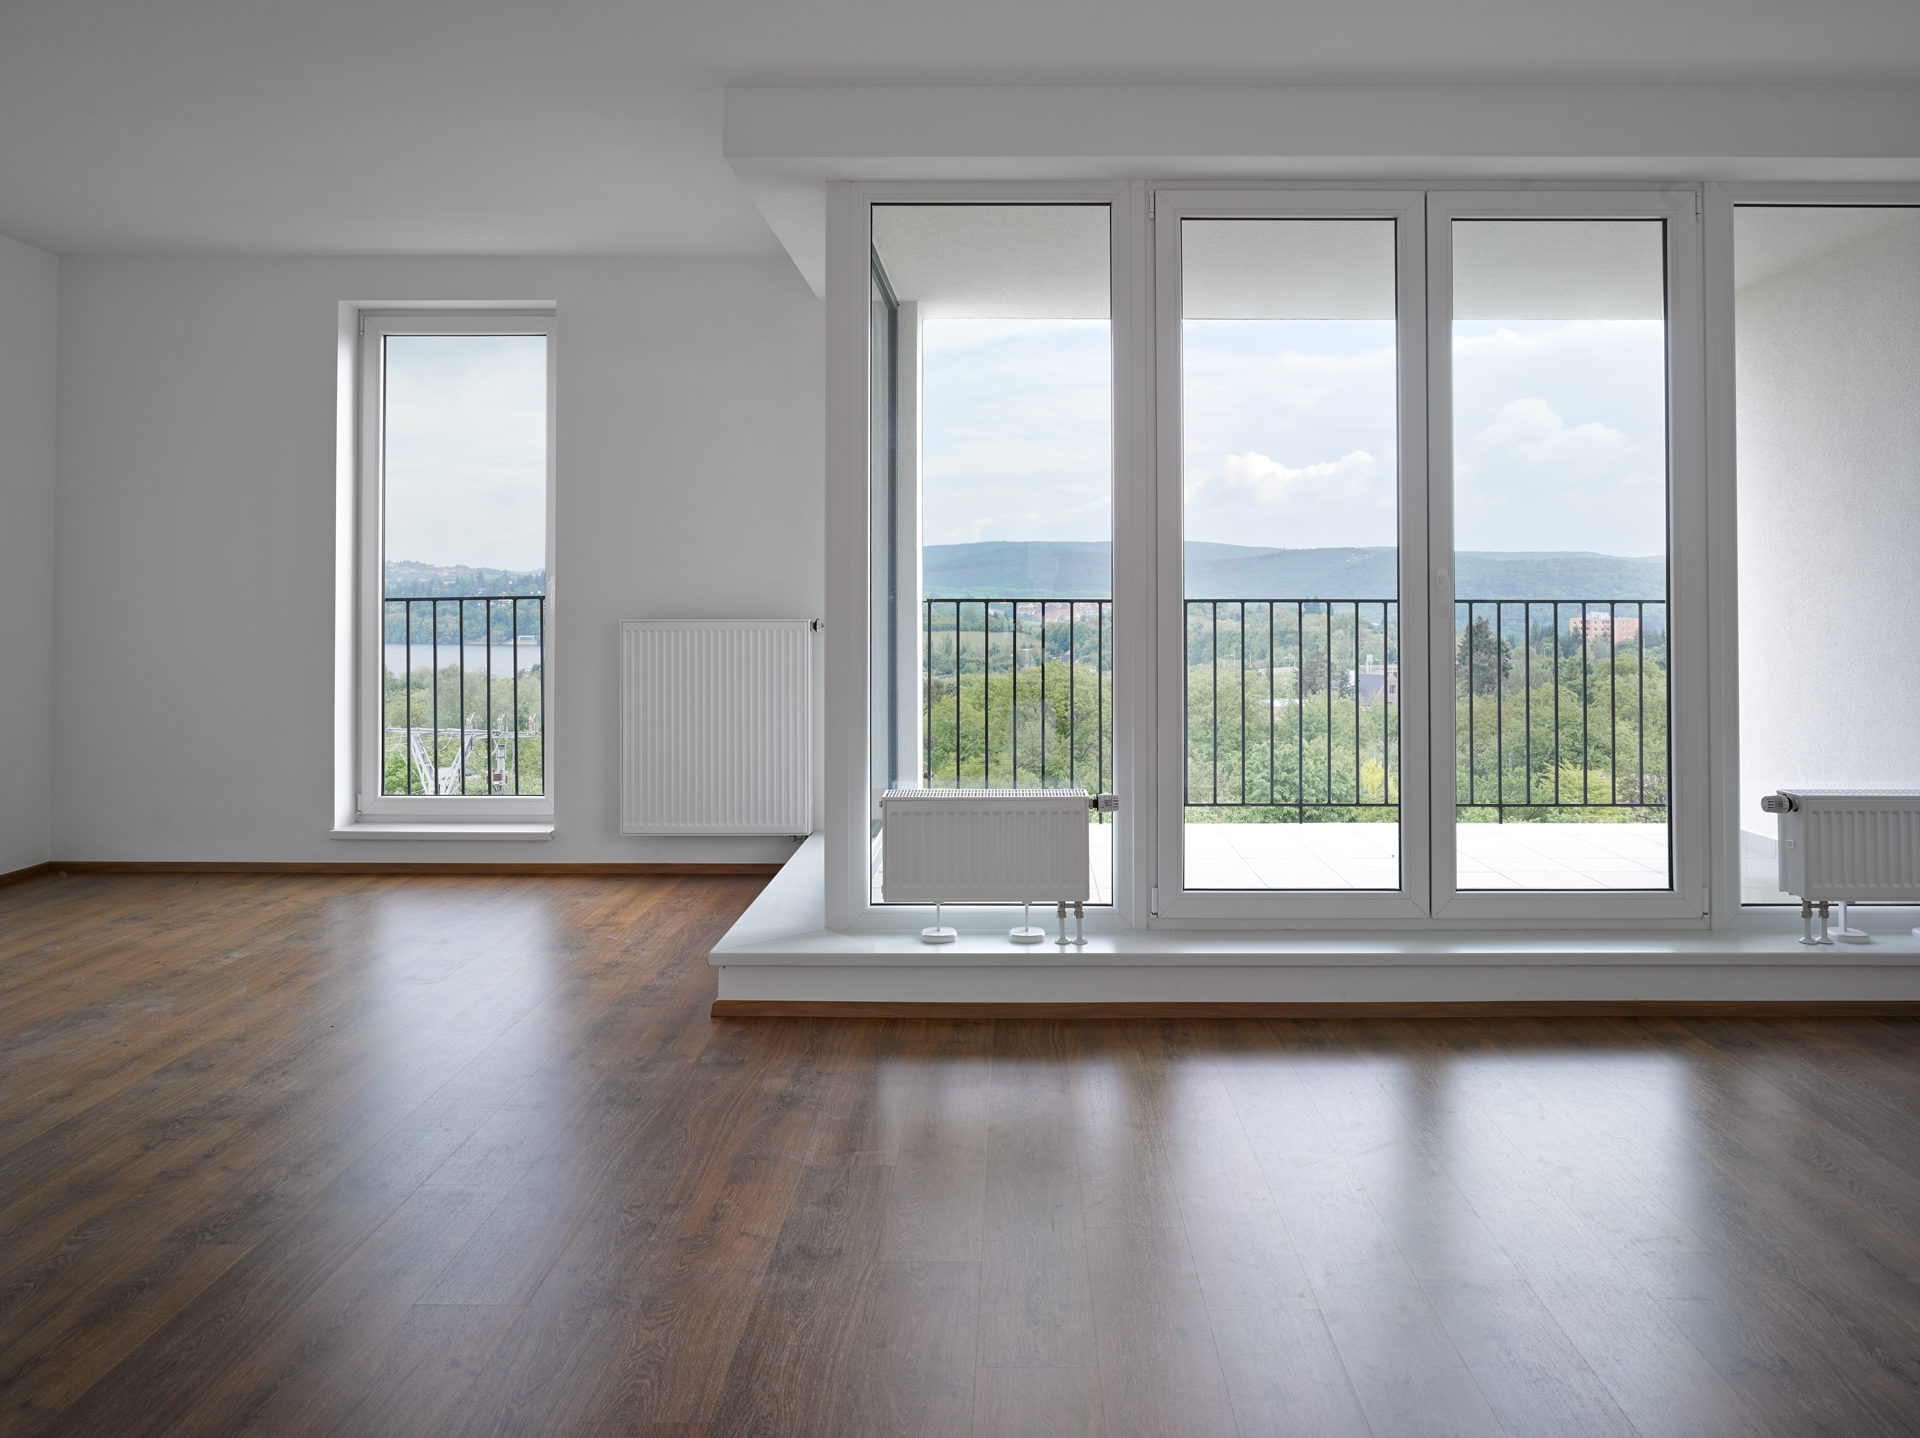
(372, 1156)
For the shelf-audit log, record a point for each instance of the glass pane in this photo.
(1827, 352)
(464, 554)
(1560, 533)
(991, 523)
(1291, 540)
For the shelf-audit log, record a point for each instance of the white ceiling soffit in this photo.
(1558, 270)
(785, 141)
(1286, 269)
(595, 126)
(997, 261)
(1769, 239)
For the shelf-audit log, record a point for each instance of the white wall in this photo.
(194, 673)
(1828, 359)
(29, 334)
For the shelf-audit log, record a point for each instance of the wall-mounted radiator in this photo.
(991, 845)
(1860, 845)
(1847, 846)
(716, 726)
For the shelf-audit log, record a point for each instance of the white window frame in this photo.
(1146, 555)
(849, 700)
(1687, 903)
(1720, 200)
(1405, 208)
(375, 325)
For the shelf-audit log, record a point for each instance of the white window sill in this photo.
(415, 829)
(785, 927)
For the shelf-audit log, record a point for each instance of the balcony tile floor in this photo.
(1366, 856)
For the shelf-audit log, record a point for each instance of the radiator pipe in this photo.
(1806, 923)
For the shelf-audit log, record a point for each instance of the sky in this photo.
(1016, 430)
(466, 436)
(1290, 433)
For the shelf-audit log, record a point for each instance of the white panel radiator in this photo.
(996, 845)
(716, 726)
(1858, 845)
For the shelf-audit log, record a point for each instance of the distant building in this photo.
(1604, 628)
(1372, 681)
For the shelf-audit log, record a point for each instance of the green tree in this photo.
(1482, 659)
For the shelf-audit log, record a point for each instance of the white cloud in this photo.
(1560, 437)
(1271, 480)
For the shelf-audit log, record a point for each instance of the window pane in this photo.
(464, 544)
(1827, 352)
(1291, 534)
(992, 643)
(1560, 532)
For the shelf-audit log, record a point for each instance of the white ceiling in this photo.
(1050, 262)
(997, 261)
(1287, 269)
(1558, 270)
(592, 126)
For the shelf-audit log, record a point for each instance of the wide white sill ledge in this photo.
(780, 949)
(415, 829)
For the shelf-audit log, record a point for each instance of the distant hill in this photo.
(410, 579)
(1048, 569)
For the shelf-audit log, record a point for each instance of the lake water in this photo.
(424, 657)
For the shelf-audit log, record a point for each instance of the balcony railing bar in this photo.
(1216, 697)
(486, 627)
(1300, 701)
(1271, 724)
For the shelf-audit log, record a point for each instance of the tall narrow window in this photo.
(1827, 358)
(1291, 531)
(1560, 500)
(991, 374)
(456, 564)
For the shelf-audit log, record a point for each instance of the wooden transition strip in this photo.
(1594, 1009)
(375, 866)
(20, 876)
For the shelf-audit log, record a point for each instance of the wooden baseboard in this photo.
(374, 866)
(20, 876)
(1598, 1009)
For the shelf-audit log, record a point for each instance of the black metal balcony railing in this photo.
(1315, 781)
(1607, 634)
(996, 643)
(494, 648)
(1293, 704)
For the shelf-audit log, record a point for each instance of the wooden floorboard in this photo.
(398, 1155)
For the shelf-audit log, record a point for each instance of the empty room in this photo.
(1003, 721)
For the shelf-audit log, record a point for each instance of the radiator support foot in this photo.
(938, 933)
